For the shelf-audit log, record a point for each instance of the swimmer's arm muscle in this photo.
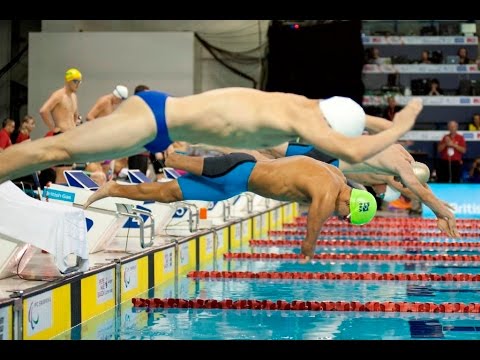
(354, 149)
(47, 108)
(93, 113)
(446, 218)
(318, 213)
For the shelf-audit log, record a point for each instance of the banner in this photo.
(465, 198)
(420, 69)
(419, 40)
(370, 100)
(437, 135)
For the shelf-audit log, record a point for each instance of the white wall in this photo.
(161, 60)
(233, 35)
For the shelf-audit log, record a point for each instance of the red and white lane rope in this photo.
(332, 276)
(375, 306)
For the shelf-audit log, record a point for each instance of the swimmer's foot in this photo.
(102, 192)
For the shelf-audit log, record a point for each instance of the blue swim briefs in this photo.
(308, 150)
(223, 177)
(156, 101)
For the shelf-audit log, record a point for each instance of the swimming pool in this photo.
(128, 322)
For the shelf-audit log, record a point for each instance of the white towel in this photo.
(60, 230)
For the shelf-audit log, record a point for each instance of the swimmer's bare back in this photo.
(239, 117)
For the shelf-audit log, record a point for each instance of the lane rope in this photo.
(348, 256)
(332, 276)
(366, 243)
(369, 306)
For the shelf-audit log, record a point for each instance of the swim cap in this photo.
(422, 172)
(73, 74)
(343, 115)
(120, 92)
(363, 207)
(391, 194)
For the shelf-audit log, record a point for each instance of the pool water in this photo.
(126, 322)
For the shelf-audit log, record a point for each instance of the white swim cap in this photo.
(391, 194)
(343, 115)
(422, 172)
(121, 92)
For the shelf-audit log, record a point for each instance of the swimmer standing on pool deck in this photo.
(60, 111)
(238, 117)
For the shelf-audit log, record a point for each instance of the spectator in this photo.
(463, 56)
(425, 57)
(475, 124)
(451, 149)
(435, 88)
(373, 56)
(474, 173)
(392, 108)
(8, 126)
(26, 127)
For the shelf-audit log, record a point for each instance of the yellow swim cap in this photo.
(73, 74)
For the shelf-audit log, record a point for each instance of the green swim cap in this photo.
(363, 207)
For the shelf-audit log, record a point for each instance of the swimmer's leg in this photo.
(192, 164)
(120, 134)
(164, 192)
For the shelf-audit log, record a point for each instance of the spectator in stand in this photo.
(8, 126)
(373, 56)
(463, 56)
(451, 149)
(26, 127)
(425, 57)
(391, 109)
(435, 88)
(475, 124)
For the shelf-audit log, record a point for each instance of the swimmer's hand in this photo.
(305, 260)
(308, 252)
(448, 225)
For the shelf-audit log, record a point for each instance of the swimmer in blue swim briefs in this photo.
(236, 117)
(298, 178)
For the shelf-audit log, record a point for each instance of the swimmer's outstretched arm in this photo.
(165, 192)
(358, 149)
(321, 208)
(446, 218)
(362, 167)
